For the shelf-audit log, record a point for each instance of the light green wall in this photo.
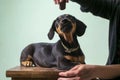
(28, 21)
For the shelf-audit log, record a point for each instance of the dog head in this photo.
(66, 26)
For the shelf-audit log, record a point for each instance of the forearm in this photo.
(102, 8)
(82, 2)
(107, 72)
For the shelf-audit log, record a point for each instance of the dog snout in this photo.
(66, 26)
(65, 21)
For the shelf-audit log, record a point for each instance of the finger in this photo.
(63, 74)
(56, 1)
(63, 1)
(72, 78)
(68, 74)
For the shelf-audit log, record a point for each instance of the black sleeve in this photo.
(102, 8)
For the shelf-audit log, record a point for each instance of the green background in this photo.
(23, 22)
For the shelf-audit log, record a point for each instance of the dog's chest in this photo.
(76, 56)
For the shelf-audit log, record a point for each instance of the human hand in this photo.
(79, 72)
(91, 72)
(62, 3)
(59, 1)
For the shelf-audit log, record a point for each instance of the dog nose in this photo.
(65, 21)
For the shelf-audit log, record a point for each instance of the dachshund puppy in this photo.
(65, 53)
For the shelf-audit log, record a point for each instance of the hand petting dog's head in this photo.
(67, 26)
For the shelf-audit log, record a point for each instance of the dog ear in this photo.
(80, 28)
(51, 31)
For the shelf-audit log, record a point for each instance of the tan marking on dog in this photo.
(80, 59)
(29, 57)
(67, 36)
(27, 62)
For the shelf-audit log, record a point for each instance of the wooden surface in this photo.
(32, 73)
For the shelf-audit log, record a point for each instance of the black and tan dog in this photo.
(63, 54)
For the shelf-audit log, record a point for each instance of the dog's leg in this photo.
(64, 64)
(26, 58)
(28, 62)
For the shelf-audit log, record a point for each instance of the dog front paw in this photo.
(27, 63)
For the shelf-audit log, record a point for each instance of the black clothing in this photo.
(109, 9)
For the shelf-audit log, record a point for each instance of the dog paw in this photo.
(27, 63)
